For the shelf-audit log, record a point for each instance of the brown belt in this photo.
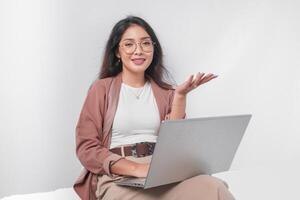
(137, 150)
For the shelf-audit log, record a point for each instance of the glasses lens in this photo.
(147, 45)
(129, 47)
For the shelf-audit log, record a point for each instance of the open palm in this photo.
(192, 83)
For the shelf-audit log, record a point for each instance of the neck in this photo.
(133, 80)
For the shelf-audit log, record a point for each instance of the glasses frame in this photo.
(136, 45)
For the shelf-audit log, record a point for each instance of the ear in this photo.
(117, 54)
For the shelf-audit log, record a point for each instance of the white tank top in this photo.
(137, 117)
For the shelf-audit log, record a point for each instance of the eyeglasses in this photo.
(130, 46)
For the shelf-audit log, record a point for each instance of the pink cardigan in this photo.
(93, 130)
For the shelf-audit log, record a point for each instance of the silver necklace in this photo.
(138, 94)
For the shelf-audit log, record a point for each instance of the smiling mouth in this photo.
(138, 61)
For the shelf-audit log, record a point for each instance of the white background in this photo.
(51, 50)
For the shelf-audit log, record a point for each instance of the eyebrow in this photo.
(142, 38)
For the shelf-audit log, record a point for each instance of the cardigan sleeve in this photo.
(89, 150)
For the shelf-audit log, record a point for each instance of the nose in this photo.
(138, 49)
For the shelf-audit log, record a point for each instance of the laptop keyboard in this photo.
(132, 181)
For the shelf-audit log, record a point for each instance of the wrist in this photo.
(179, 95)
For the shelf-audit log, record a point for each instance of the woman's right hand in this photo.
(141, 170)
(130, 168)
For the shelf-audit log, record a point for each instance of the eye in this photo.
(128, 44)
(146, 43)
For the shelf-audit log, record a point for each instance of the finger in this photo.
(208, 78)
(205, 78)
(197, 81)
(190, 80)
(209, 75)
(198, 77)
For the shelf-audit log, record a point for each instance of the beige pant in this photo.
(199, 187)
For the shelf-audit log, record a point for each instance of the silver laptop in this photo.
(189, 147)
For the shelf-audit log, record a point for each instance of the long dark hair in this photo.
(111, 66)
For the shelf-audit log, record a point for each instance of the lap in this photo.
(201, 186)
(196, 186)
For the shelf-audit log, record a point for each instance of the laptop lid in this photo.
(189, 147)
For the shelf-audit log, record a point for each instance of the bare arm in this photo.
(178, 107)
(179, 102)
(129, 168)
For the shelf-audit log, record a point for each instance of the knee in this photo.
(210, 181)
(206, 187)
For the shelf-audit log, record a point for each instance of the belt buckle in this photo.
(151, 148)
(134, 151)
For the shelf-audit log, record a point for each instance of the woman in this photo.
(123, 109)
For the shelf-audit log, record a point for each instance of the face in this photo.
(135, 50)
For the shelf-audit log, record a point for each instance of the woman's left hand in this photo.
(192, 83)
